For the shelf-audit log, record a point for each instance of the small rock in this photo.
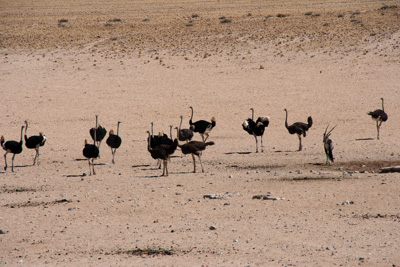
(2, 232)
(230, 176)
(212, 227)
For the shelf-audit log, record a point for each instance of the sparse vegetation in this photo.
(384, 7)
(226, 21)
(146, 251)
(282, 15)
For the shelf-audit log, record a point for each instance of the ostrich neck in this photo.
(26, 127)
(286, 125)
(118, 129)
(191, 117)
(148, 142)
(22, 129)
(382, 105)
(180, 124)
(252, 114)
(177, 132)
(170, 132)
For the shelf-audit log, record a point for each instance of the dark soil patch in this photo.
(12, 190)
(365, 166)
(144, 252)
(36, 204)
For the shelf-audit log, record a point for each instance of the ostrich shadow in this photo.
(285, 151)
(15, 166)
(239, 153)
(365, 139)
(97, 164)
(75, 175)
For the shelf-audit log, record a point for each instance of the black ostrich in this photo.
(162, 152)
(202, 127)
(100, 132)
(157, 140)
(195, 148)
(328, 146)
(34, 142)
(114, 141)
(91, 152)
(299, 128)
(11, 147)
(379, 116)
(256, 128)
(184, 134)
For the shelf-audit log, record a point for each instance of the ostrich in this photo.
(379, 116)
(256, 128)
(114, 141)
(195, 148)
(159, 139)
(328, 146)
(11, 147)
(202, 127)
(34, 142)
(299, 128)
(184, 134)
(91, 152)
(162, 152)
(100, 132)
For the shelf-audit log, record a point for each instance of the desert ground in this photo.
(138, 62)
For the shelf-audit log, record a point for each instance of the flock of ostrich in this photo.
(161, 147)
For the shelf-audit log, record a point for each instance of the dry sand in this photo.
(139, 62)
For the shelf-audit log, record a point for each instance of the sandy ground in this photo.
(63, 62)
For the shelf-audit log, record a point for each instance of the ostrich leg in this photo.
(300, 145)
(377, 128)
(194, 163)
(201, 162)
(262, 145)
(255, 137)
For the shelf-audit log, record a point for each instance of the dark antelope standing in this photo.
(299, 128)
(256, 128)
(379, 116)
